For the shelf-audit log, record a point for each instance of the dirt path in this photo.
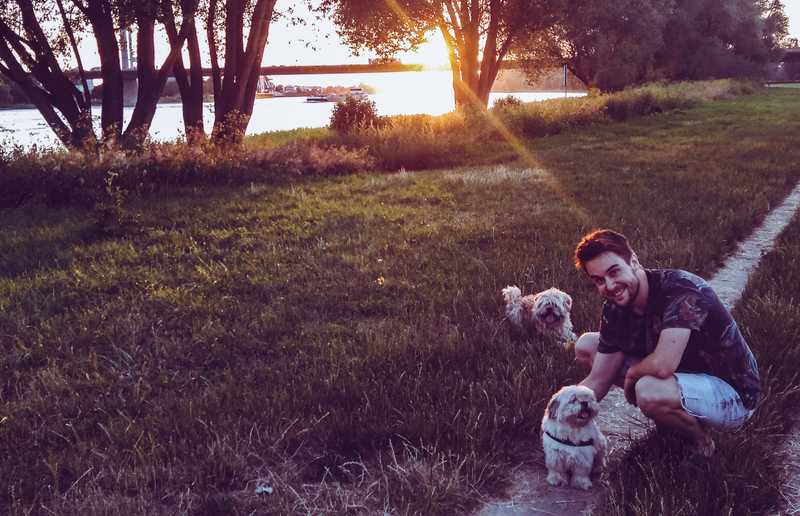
(530, 494)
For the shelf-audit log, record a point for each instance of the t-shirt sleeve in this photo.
(685, 308)
(609, 334)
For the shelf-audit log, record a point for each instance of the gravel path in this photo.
(530, 494)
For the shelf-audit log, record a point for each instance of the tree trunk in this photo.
(233, 104)
(191, 84)
(100, 16)
(151, 82)
(44, 82)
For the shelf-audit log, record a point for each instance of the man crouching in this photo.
(668, 341)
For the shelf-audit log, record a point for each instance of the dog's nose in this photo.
(584, 404)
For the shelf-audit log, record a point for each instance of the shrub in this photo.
(354, 114)
(104, 180)
(507, 103)
(415, 142)
(623, 106)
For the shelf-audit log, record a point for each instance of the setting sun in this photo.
(431, 54)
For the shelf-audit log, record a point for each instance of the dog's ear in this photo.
(552, 408)
(511, 293)
(568, 301)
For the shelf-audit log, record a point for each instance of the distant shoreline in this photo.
(211, 99)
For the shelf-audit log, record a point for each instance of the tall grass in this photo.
(418, 142)
(337, 345)
(412, 142)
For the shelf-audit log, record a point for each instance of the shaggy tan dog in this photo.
(574, 447)
(546, 312)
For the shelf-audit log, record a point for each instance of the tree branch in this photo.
(87, 96)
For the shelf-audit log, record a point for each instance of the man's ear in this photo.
(635, 262)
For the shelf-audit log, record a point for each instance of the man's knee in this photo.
(586, 348)
(656, 395)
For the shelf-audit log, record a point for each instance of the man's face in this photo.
(614, 278)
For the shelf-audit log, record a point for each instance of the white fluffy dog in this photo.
(574, 447)
(547, 311)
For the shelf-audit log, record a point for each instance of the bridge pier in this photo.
(129, 91)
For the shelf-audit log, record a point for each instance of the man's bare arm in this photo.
(661, 363)
(604, 369)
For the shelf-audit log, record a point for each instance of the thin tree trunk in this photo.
(45, 83)
(216, 75)
(191, 84)
(40, 98)
(151, 83)
(102, 22)
(234, 106)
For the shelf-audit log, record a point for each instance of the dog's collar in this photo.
(590, 442)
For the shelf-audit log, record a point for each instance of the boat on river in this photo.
(354, 92)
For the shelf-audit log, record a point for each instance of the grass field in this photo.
(339, 342)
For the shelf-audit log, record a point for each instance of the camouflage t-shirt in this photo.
(679, 299)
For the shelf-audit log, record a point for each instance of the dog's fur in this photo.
(570, 417)
(546, 312)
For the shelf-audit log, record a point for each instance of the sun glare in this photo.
(431, 54)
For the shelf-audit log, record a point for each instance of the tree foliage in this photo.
(611, 44)
(480, 34)
(735, 38)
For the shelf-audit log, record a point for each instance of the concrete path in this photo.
(531, 495)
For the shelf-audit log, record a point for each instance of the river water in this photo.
(429, 92)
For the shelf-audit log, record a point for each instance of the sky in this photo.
(792, 10)
(318, 43)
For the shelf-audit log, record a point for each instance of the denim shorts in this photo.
(712, 401)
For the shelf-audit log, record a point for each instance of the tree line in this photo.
(608, 44)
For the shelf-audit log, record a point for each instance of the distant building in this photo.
(265, 85)
(127, 49)
(384, 60)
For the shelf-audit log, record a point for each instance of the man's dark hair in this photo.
(601, 241)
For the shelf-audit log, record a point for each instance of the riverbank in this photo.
(321, 343)
(402, 142)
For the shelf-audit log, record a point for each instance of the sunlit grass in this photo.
(238, 337)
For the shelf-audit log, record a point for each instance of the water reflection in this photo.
(395, 94)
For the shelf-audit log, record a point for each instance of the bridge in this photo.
(129, 74)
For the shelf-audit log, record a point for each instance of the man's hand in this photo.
(604, 369)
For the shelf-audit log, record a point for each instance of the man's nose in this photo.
(609, 283)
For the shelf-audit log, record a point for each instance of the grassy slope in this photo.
(277, 332)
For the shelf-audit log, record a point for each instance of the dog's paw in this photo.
(554, 478)
(581, 482)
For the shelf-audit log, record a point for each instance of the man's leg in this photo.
(660, 400)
